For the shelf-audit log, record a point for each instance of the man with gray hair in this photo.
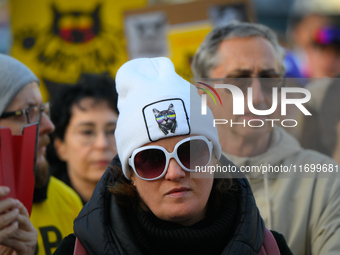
(55, 205)
(305, 210)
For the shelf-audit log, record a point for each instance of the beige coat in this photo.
(305, 210)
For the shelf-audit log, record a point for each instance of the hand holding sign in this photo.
(16, 231)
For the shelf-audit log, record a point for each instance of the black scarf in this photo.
(208, 236)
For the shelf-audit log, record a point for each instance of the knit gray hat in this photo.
(148, 88)
(14, 75)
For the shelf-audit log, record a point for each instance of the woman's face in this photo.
(175, 197)
(89, 143)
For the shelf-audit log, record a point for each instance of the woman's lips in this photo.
(178, 192)
(101, 163)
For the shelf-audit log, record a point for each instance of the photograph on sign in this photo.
(222, 15)
(146, 34)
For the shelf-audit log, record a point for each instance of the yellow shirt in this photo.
(53, 218)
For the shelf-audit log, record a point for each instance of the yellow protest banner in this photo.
(61, 39)
(184, 41)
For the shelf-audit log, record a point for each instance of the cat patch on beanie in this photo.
(166, 118)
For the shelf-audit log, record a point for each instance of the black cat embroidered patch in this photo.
(166, 118)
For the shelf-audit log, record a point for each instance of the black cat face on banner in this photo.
(166, 119)
(80, 27)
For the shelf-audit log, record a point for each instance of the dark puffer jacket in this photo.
(103, 227)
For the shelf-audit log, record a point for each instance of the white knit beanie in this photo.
(147, 89)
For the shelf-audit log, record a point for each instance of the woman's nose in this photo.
(101, 140)
(174, 171)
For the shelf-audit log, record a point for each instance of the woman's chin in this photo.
(183, 215)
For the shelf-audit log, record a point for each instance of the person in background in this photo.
(152, 199)
(85, 117)
(305, 210)
(313, 34)
(55, 205)
(320, 131)
(317, 34)
(315, 44)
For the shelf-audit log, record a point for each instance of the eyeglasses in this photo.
(151, 162)
(87, 134)
(33, 114)
(267, 83)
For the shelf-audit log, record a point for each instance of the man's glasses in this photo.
(33, 114)
(86, 135)
(267, 84)
(151, 162)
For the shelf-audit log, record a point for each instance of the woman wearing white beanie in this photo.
(155, 198)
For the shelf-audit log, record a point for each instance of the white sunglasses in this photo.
(151, 162)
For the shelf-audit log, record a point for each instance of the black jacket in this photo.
(103, 228)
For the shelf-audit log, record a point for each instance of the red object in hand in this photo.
(17, 162)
